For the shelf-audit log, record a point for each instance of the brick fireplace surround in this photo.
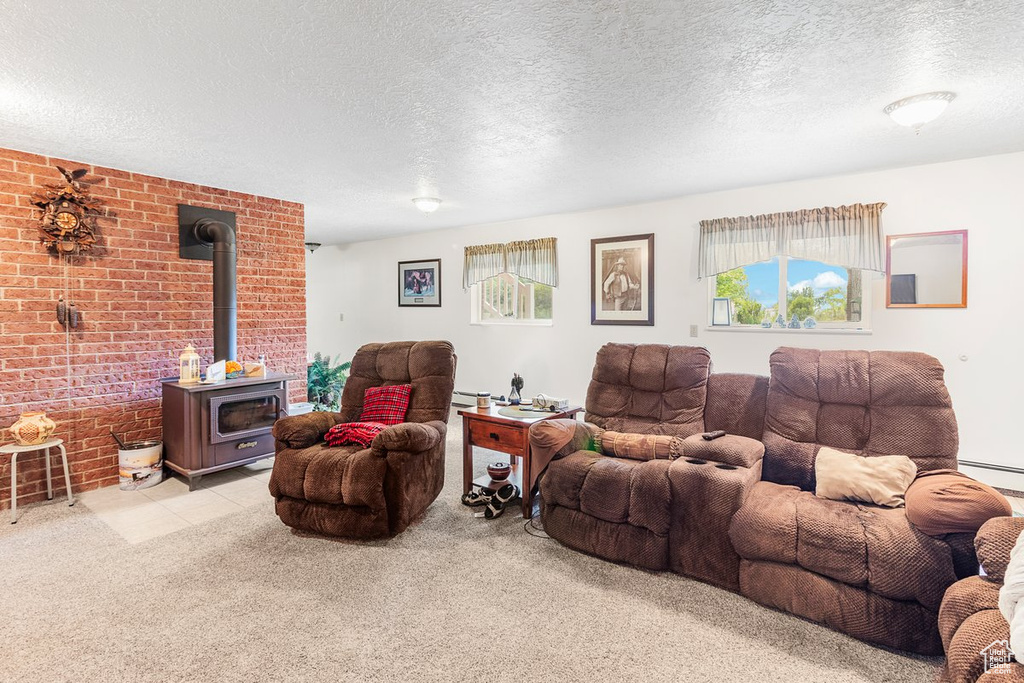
(140, 305)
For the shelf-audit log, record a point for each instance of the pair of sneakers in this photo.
(494, 503)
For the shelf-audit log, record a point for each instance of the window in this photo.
(780, 265)
(507, 298)
(832, 295)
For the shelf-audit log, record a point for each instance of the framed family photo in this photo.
(419, 283)
(622, 280)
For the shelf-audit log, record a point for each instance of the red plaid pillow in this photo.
(386, 404)
(361, 433)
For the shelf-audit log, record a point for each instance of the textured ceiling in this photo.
(503, 108)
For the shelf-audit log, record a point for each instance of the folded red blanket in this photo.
(361, 433)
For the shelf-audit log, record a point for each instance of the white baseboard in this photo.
(999, 478)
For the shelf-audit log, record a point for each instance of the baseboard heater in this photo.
(463, 398)
(996, 468)
(989, 466)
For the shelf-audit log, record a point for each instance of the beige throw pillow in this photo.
(882, 479)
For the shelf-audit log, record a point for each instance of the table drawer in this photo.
(511, 440)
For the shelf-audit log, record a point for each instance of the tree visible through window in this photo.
(829, 294)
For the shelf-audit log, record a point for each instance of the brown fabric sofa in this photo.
(370, 492)
(861, 569)
(969, 618)
(657, 514)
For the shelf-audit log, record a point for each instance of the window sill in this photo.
(506, 323)
(780, 330)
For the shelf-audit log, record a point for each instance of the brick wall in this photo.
(140, 303)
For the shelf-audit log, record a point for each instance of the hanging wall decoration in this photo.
(68, 224)
(69, 214)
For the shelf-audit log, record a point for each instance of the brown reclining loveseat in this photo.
(859, 568)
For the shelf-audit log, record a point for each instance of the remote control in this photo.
(708, 436)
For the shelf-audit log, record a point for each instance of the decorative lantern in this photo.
(188, 363)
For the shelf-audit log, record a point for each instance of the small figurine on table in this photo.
(515, 396)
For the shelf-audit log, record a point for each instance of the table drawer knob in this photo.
(494, 436)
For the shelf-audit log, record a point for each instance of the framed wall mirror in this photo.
(926, 270)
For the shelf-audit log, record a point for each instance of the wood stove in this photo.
(212, 427)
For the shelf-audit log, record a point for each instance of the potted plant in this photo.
(324, 383)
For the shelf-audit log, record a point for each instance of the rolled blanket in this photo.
(1012, 594)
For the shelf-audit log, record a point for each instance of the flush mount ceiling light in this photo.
(918, 110)
(427, 204)
(312, 246)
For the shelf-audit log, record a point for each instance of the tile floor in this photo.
(169, 506)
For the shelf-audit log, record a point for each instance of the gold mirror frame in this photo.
(963, 270)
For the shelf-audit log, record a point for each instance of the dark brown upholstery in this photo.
(614, 508)
(862, 569)
(370, 492)
(994, 542)
(656, 514)
(969, 618)
(736, 404)
(864, 402)
(649, 389)
(862, 545)
(859, 613)
(705, 496)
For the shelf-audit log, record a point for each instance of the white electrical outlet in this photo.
(693, 330)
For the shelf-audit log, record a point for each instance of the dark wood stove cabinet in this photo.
(213, 427)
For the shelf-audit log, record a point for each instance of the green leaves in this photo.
(324, 382)
(734, 285)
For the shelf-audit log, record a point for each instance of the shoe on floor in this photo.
(501, 498)
(475, 499)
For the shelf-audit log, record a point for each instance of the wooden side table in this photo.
(486, 428)
(14, 450)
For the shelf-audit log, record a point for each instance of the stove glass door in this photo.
(242, 415)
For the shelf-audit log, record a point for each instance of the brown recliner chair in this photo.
(970, 622)
(660, 513)
(861, 569)
(364, 493)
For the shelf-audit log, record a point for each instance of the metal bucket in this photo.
(141, 465)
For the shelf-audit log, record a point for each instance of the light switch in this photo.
(693, 330)
(341, 317)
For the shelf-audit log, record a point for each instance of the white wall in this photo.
(979, 346)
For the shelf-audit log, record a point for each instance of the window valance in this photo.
(530, 259)
(848, 236)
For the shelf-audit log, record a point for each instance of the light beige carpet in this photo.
(454, 598)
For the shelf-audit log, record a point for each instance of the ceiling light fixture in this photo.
(918, 110)
(312, 246)
(427, 204)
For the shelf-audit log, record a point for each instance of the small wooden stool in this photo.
(15, 449)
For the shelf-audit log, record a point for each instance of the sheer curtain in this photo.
(482, 261)
(531, 259)
(848, 236)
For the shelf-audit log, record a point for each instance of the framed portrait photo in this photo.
(419, 283)
(622, 280)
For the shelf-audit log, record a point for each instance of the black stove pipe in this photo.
(222, 236)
